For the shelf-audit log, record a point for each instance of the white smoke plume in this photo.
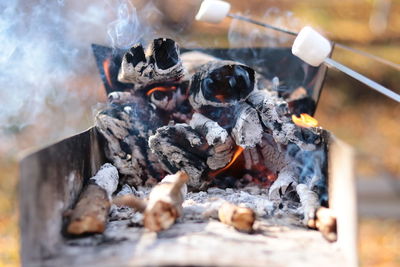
(48, 77)
(244, 34)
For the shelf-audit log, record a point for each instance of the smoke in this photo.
(244, 34)
(48, 79)
(312, 168)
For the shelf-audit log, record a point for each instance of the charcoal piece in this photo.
(168, 98)
(287, 177)
(303, 105)
(273, 158)
(126, 129)
(221, 84)
(274, 117)
(179, 147)
(248, 130)
(222, 146)
(120, 97)
(161, 63)
(165, 53)
(136, 55)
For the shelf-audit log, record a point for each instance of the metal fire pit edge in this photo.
(52, 178)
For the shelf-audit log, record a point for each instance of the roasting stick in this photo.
(353, 50)
(309, 45)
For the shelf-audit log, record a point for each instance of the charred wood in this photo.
(179, 147)
(161, 63)
(90, 214)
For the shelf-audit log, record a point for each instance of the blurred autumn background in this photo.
(366, 120)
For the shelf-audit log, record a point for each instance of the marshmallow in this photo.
(213, 11)
(311, 47)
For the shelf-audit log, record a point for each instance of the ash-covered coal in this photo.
(219, 121)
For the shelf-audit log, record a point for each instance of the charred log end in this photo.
(91, 212)
(135, 55)
(161, 216)
(166, 53)
(228, 83)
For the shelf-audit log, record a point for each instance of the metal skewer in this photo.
(332, 63)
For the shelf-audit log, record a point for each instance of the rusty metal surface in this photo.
(50, 181)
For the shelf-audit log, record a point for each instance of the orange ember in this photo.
(161, 89)
(237, 153)
(305, 121)
(106, 67)
(220, 98)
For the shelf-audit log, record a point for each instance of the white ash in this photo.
(213, 132)
(309, 201)
(286, 177)
(274, 111)
(200, 205)
(247, 131)
(222, 148)
(107, 178)
(120, 97)
(123, 212)
(125, 190)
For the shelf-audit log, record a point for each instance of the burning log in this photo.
(91, 211)
(179, 147)
(217, 137)
(241, 218)
(161, 63)
(126, 128)
(221, 84)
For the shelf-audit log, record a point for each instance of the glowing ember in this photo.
(220, 98)
(237, 153)
(106, 67)
(161, 89)
(305, 121)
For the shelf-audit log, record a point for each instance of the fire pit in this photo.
(223, 119)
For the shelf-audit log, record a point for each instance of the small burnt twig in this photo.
(164, 204)
(241, 218)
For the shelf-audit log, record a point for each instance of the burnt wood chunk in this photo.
(160, 63)
(248, 130)
(221, 144)
(126, 129)
(179, 147)
(90, 213)
(221, 84)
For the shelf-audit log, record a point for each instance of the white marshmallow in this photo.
(311, 47)
(213, 11)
